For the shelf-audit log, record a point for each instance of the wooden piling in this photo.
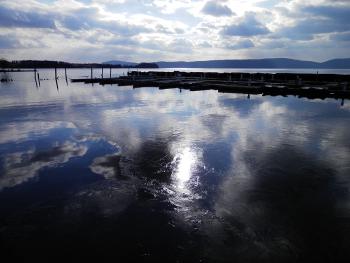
(39, 79)
(65, 74)
(56, 78)
(102, 73)
(36, 82)
(110, 72)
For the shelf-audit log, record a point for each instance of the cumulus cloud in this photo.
(249, 26)
(338, 13)
(241, 44)
(17, 18)
(216, 9)
(154, 30)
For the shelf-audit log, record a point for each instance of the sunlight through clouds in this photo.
(154, 30)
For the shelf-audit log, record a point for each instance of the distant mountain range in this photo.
(257, 63)
(120, 62)
(249, 63)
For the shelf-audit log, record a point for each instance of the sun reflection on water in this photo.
(185, 163)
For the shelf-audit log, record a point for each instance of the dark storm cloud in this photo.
(216, 9)
(248, 27)
(17, 18)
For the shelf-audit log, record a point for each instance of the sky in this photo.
(172, 30)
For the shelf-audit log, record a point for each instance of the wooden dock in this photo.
(302, 85)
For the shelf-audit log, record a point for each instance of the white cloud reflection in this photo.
(20, 167)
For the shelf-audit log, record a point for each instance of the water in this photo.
(108, 172)
(260, 70)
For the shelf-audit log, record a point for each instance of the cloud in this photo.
(8, 42)
(149, 30)
(341, 37)
(180, 45)
(249, 26)
(338, 13)
(241, 44)
(16, 18)
(216, 9)
(88, 18)
(308, 28)
(322, 19)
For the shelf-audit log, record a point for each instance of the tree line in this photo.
(60, 64)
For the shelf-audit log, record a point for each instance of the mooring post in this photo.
(91, 74)
(39, 79)
(110, 72)
(36, 83)
(102, 73)
(56, 74)
(56, 78)
(65, 75)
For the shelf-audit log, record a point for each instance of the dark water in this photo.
(116, 173)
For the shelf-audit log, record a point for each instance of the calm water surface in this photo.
(108, 172)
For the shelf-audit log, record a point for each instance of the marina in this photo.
(302, 85)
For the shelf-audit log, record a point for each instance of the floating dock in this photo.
(302, 85)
